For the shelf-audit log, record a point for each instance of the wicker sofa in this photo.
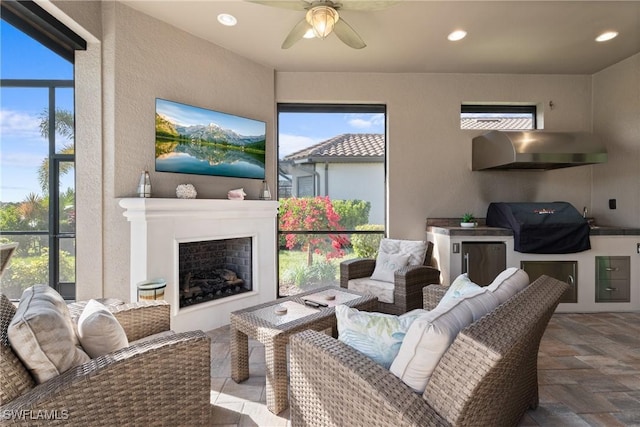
(487, 377)
(408, 281)
(165, 379)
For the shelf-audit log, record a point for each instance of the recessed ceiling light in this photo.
(457, 35)
(226, 19)
(606, 36)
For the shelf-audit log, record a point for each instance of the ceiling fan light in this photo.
(322, 19)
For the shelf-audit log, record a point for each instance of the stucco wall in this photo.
(429, 157)
(616, 117)
(144, 59)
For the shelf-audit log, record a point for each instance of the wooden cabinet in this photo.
(613, 279)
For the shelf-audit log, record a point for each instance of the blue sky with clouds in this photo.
(301, 130)
(22, 148)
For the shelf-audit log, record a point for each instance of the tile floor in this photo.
(589, 375)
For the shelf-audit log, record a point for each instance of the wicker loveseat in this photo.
(487, 376)
(163, 380)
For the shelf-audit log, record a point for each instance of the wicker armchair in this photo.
(164, 379)
(487, 377)
(408, 281)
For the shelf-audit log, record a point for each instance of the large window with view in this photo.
(37, 178)
(331, 170)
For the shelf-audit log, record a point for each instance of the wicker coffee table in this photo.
(262, 323)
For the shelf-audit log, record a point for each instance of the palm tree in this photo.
(32, 211)
(64, 126)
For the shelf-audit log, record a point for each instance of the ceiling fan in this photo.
(322, 19)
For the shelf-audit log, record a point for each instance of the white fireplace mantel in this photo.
(158, 226)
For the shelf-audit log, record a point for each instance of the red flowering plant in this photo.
(312, 214)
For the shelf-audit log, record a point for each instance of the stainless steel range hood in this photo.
(536, 149)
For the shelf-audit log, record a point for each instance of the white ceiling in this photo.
(531, 37)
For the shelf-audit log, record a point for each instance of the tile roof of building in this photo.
(520, 123)
(345, 145)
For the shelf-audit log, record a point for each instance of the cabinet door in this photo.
(483, 261)
(613, 279)
(567, 271)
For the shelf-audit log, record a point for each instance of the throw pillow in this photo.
(462, 285)
(99, 331)
(427, 339)
(376, 335)
(42, 334)
(416, 249)
(387, 264)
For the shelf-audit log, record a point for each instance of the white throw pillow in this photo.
(462, 285)
(376, 335)
(416, 249)
(99, 331)
(42, 334)
(427, 339)
(508, 283)
(387, 264)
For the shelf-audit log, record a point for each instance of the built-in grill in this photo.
(542, 228)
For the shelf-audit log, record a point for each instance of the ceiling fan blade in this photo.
(283, 4)
(365, 4)
(296, 34)
(348, 35)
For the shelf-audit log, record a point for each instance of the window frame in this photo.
(502, 108)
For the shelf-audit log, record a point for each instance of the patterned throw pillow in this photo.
(462, 285)
(376, 335)
(416, 249)
(387, 264)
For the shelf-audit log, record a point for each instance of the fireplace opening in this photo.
(213, 269)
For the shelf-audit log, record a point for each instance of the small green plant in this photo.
(468, 217)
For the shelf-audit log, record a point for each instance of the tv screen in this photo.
(205, 142)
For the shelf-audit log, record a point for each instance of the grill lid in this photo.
(542, 228)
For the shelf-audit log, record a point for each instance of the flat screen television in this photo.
(199, 141)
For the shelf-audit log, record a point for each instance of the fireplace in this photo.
(213, 269)
(197, 246)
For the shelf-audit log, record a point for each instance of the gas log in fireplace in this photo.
(213, 269)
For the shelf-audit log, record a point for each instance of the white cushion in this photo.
(381, 290)
(480, 302)
(376, 335)
(416, 249)
(42, 334)
(387, 264)
(462, 285)
(99, 331)
(508, 283)
(427, 339)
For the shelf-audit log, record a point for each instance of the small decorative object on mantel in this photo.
(468, 221)
(237, 194)
(186, 191)
(265, 193)
(144, 185)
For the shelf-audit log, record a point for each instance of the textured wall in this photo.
(429, 157)
(616, 117)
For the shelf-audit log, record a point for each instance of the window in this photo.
(504, 117)
(331, 165)
(37, 179)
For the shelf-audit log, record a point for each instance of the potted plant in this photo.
(468, 220)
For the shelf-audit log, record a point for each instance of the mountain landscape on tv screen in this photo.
(208, 149)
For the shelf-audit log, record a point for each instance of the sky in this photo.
(22, 148)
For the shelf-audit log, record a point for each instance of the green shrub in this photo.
(366, 245)
(352, 212)
(318, 273)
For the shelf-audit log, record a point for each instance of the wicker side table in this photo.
(262, 323)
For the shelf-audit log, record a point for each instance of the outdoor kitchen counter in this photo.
(482, 230)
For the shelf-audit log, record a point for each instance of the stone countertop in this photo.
(451, 227)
